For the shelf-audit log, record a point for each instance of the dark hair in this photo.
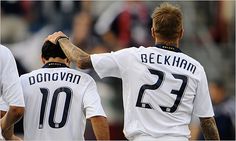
(51, 50)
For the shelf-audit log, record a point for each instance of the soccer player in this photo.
(162, 86)
(10, 92)
(58, 100)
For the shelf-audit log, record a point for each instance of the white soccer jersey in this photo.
(10, 88)
(57, 103)
(3, 105)
(162, 87)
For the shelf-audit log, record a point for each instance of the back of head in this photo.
(167, 21)
(50, 50)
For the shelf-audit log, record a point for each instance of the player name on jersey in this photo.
(169, 60)
(57, 76)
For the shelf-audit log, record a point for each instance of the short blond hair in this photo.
(167, 21)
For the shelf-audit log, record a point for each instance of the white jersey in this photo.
(57, 103)
(162, 87)
(10, 88)
(3, 105)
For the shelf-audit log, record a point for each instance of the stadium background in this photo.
(104, 26)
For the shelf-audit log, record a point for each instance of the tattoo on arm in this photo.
(209, 128)
(75, 54)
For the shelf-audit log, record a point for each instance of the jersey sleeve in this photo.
(11, 88)
(3, 105)
(110, 64)
(91, 101)
(202, 101)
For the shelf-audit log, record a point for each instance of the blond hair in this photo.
(167, 21)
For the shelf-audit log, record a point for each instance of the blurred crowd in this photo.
(105, 26)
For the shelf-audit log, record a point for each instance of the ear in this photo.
(153, 32)
(43, 60)
(181, 33)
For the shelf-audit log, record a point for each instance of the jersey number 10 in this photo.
(51, 121)
(155, 86)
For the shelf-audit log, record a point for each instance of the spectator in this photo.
(125, 23)
(224, 108)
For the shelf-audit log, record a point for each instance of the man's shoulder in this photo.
(180, 58)
(84, 75)
(126, 50)
(179, 54)
(5, 52)
(23, 76)
(4, 49)
(65, 73)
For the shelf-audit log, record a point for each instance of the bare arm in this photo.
(2, 114)
(209, 128)
(100, 127)
(195, 130)
(75, 54)
(13, 115)
(9, 134)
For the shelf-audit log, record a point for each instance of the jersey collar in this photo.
(170, 48)
(55, 65)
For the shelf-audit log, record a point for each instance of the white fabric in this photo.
(85, 103)
(10, 88)
(3, 105)
(163, 138)
(202, 98)
(132, 65)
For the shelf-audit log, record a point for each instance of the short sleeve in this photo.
(3, 105)
(11, 87)
(91, 101)
(111, 64)
(202, 101)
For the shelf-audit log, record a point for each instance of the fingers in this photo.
(54, 37)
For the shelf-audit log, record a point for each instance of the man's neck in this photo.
(167, 42)
(57, 60)
(55, 65)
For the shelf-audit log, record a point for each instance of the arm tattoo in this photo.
(75, 54)
(209, 128)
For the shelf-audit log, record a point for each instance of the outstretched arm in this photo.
(209, 128)
(75, 54)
